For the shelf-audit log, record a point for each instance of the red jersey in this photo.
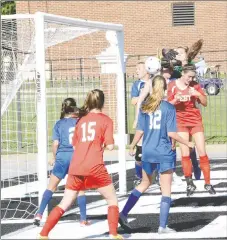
(187, 112)
(91, 132)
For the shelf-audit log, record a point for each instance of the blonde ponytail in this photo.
(158, 93)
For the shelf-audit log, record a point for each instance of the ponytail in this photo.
(158, 92)
(68, 107)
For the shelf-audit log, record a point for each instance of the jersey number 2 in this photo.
(71, 132)
(155, 119)
(88, 131)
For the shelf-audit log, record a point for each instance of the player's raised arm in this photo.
(153, 67)
(198, 92)
(142, 97)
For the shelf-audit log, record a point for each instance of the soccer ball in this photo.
(153, 65)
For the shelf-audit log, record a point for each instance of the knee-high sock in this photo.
(113, 216)
(186, 166)
(81, 201)
(52, 220)
(132, 200)
(164, 211)
(47, 195)
(205, 167)
(138, 168)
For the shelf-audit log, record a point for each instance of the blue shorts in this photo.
(149, 168)
(61, 165)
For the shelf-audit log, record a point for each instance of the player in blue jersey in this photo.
(157, 125)
(137, 87)
(62, 154)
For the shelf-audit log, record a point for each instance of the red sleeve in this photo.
(108, 135)
(199, 89)
(170, 93)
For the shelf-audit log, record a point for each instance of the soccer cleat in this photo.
(162, 230)
(37, 220)
(190, 189)
(118, 236)
(123, 221)
(85, 223)
(42, 237)
(210, 189)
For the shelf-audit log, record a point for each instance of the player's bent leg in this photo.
(47, 196)
(135, 195)
(58, 211)
(204, 160)
(187, 164)
(108, 192)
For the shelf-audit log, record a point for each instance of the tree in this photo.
(8, 7)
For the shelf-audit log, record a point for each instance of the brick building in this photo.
(150, 24)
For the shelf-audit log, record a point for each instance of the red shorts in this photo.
(191, 130)
(99, 179)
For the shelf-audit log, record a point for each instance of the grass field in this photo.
(19, 127)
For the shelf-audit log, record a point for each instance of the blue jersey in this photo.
(157, 146)
(136, 88)
(63, 132)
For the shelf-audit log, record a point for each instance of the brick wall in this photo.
(147, 27)
(148, 24)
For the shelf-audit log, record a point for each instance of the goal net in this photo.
(45, 59)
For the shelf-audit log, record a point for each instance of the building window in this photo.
(183, 14)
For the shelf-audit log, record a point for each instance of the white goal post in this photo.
(36, 76)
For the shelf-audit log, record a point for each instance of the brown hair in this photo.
(189, 68)
(94, 100)
(68, 107)
(158, 92)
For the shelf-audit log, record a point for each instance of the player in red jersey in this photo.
(185, 93)
(93, 132)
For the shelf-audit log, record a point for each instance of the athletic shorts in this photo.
(61, 165)
(138, 155)
(191, 130)
(99, 179)
(149, 168)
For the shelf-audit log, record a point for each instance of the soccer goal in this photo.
(46, 58)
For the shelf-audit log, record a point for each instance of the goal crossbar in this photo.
(68, 21)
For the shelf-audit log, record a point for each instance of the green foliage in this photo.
(8, 7)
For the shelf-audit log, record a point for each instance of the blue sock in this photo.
(132, 200)
(138, 170)
(47, 195)
(81, 201)
(164, 211)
